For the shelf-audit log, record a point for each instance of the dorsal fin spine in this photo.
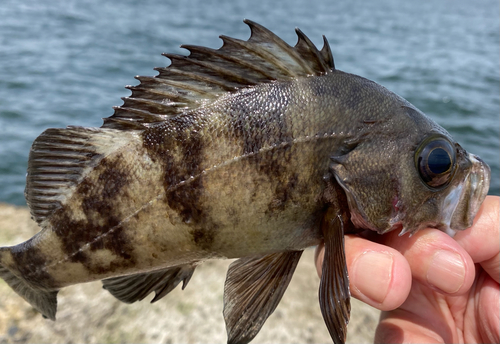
(306, 43)
(203, 78)
(205, 74)
(327, 54)
(180, 85)
(143, 113)
(264, 54)
(146, 87)
(149, 102)
(256, 28)
(152, 106)
(120, 123)
(221, 55)
(227, 73)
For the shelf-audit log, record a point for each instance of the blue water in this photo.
(66, 62)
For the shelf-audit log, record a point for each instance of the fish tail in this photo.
(44, 301)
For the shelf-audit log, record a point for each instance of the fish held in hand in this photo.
(256, 151)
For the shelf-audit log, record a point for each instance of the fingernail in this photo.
(373, 272)
(446, 271)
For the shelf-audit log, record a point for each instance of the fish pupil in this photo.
(439, 161)
(435, 161)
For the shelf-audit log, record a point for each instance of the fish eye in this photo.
(435, 161)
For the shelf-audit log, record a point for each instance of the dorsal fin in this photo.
(59, 159)
(205, 74)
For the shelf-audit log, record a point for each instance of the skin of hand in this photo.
(431, 288)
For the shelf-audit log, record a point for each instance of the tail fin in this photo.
(44, 301)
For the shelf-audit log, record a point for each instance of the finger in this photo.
(436, 260)
(492, 267)
(481, 240)
(400, 326)
(424, 318)
(487, 310)
(374, 269)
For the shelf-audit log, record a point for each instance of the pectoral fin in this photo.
(136, 287)
(254, 287)
(334, 294)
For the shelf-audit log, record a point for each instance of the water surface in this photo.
(66, 62)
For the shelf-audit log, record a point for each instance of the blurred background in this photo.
(67, 62)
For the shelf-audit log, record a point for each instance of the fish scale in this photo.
(256, 151)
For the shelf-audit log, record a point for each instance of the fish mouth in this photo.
(462, 203)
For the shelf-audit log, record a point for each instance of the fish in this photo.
(254, 151)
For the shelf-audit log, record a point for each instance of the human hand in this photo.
(431, 288)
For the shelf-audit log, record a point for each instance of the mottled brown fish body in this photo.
(256, 151)
(242, 176)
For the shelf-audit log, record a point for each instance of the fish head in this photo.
(409, 174)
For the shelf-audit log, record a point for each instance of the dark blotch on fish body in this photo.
(181, 194)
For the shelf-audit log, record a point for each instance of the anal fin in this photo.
(334, 294)
(253, 289)
(136, 287)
